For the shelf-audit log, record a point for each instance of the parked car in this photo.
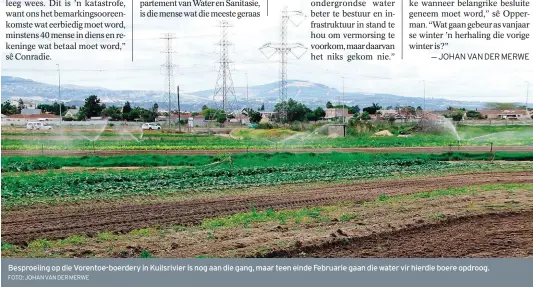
(151, 127)
(38, 126)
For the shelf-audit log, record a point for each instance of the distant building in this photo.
(336, 113)
(267, 117)
(30, 112)
(504, 114)
(27, 105)
(197, 121)
(72, 113)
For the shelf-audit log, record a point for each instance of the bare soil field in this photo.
(240, 151)
(24, 224)
(337, 227)
(493, 235)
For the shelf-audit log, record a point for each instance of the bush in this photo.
(265, 126)
(146, 254)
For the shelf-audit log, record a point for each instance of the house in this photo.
(267, 117)
(72, 113)
(174, 118)
(30, 111)
(391, 114)
(505, 114)
(336, 113)
(244, 120)
(197, 121)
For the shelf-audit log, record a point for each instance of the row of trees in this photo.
(299, 112)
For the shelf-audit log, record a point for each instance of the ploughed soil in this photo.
(337, 226)
(491, 235)
(293, 150)
(24, 224)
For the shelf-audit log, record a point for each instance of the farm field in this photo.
(254, 204)
(268, 193)
(50, 143)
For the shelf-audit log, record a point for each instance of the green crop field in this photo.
(269, 139)
(211, 173)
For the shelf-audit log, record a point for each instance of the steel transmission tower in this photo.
(224, 86)
(169, 70)
(283, 49)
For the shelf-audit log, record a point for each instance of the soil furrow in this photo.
(88, 218)
(493, 235)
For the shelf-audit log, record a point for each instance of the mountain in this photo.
(311, 94)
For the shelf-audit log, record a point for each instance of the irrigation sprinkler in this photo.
(94, 148)
(491, 147)
(42, 149)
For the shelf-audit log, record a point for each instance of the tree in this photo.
(354, 110)
(365, 116)
(458, 116)
(20, 106)
(419, 110)
(372, 110)
(329, 105)
(295, 111)
(221, 117)
(262, 108)
(147, 115)
(204, 107)
(255, 117)
(474, 115)
(8, 109)
(319, 113)
(53, 108)
(92, 107)
(126, 108)
(113, 113)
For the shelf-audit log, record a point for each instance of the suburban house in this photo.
(242, 119)
(197, 121)
(391, 114)
(336, 113)
(505, 114)
(267, 116)
(30, 111)
(72, 113)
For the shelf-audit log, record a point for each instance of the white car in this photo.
(38, 126)
(151, 127)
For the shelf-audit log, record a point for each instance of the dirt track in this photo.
(54, 222)
(487, 236)
(239, 151)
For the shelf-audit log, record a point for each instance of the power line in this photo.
(283, 49)
(169, 69)
(224, 84)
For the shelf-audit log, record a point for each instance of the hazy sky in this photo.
(197, 57)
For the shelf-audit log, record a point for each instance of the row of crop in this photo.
(33, 163)
(212, 143)
(94, 185)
